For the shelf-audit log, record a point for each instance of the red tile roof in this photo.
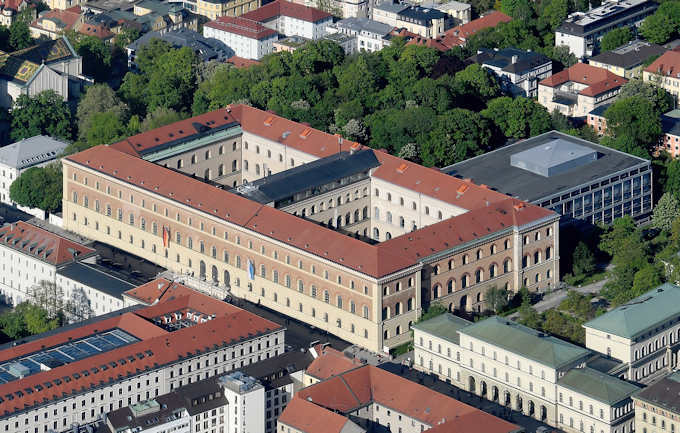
(366, 385)
(329, 362)
(667, 64)
(241, 62)
(68, 16)
(282, 7)
(208, 122)
(41, 244)
(457, 36)
(242, 26)
(156, 348)
(310, 418)
(598, 80)
(487, 210)
(14, 4)
(96, 30)
(415, 39)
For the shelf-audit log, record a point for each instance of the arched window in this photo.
(201, 247)
(493, 249)
(348, 219)
(537, 257)
(493, 270)
(465, 281)
(437, 291)
(301, 286)
(233, 165)
(466, 259)
(288, 281)
(548, 253)
(257, 169)
(190, 243)
(479, 275)
(397, 308)
(154, 228)
(451, 286)
(365, 312)
(220, 170)
(409, 304)
(507, 264)
(364, 212)
(525, 261)
(388, 217)
(479, 254)
(376, 234)
(506, 244)
(401, 221)
(142, 224)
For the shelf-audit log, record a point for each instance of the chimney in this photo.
(514, 59)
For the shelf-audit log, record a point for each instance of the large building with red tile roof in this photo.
(249, 39)
(370, 395)
(458, 36)
(578, 90)
(70, 377)
(292, 19)
(665, 73)
(345, 238)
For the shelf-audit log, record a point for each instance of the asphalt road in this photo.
(298, 335)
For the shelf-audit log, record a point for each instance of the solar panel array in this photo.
(64, 354)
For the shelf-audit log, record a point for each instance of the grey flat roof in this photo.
(364, 25)
(494, 169)
(670, 122)
(308, 176)
(96, 279)
(31, 151)
(632, 54)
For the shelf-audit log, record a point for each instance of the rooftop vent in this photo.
(268, 121)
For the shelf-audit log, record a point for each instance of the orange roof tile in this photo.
(241, 62)
(457, 36)
(156, 348)
(242, 26)
(330, 362)
(286, 8)
(310, 418)
(598, 80)
(365, 385)
(41, 244)
(668, 64)
(373, 260)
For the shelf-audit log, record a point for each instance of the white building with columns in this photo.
(525, 370)
(643, 333)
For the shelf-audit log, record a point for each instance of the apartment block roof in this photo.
(664, 394)
(279, 8)
(668, 65)
(457, 36)
(153, 347)
(494, 168)
(598, 80)
(275, 372)
(670, 122)
(597, 385)
(361, 24)
(445, 326)
(41, 244)
(242, 26)
(366, 385)
(489, 211)
(583, 23)
(640, 315)
(630, 55)
(511, 60)
(524, 341)
(64, 19)
(31, 151)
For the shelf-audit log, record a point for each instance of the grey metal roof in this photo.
(312, 175)
(207, 48)
(391, 6)
(596, 385)
(91, 277)
(422, 14)
(460, 6)
(445, 326)
(664, 393)
(583, 23)
(494, 169)
(31, 151)
(641, 314)
(364, 25)
(525, 61)
(553, 158)
(599, 111)
(670, 122)
(275, 372)
(630, 55)
(526, 342)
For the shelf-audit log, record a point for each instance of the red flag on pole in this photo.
(166, 237)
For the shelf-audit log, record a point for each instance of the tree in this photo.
(126, 36)
(613, 240)
(39, 187)
(78, 307)
(583, 261)
(615, 38)
(519, 117)
(553, 14)
(518, 9)
(97, 56)
(496, 299)
(410, 151)
(665, 212)
(37, 319)
(98, 98)
(475, 83)
(661, 100)
(528, 316)
(663, 24)
(433, 311)
(672, 184)
(355, 130)
(48, 296)
(160, 117)
(646, 279)
(458, 134)
(105, 128)
(634, 120)
(45, 113)
(19, 35)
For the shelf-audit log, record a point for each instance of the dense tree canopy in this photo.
(663, 25)
(615, 38)
(634, 125)
(39, 187)
(46, 113)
